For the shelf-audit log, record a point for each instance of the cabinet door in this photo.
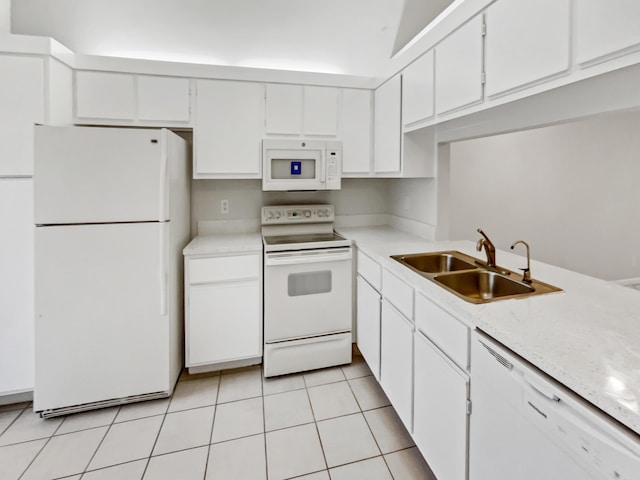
(515, 52)
(459, 67)
(228, 130)
(284, 109)
(387, 127)
(224, 323)
(441, 391)
(16, 285)
(356, 131)
(163, 98)
(417, 90)
(320, 109)
(105, 95)
(604, 28)
(22, 105)
(396, 361)
(368, 325)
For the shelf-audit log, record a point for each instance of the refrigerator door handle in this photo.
(163, 270)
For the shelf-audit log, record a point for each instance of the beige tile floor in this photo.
(330, 424)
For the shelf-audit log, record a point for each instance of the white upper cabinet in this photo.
(320, 111)
(459, 67)
(22, 100)
(356, 131)
(417, 90)
(105, 95)
(121, 98)
(525, 42)
(302, 110)
(163, 98)
(284, 109)
(606, 28)
(387, 126)
(229, 127)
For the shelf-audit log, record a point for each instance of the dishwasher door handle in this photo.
(539, 389)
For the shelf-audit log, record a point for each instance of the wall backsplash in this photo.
(357, 197)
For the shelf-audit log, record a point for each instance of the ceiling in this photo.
(354, 37)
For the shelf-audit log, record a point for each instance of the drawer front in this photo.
(369, 270)
(221, 269)
(445, 331)
(398, 293)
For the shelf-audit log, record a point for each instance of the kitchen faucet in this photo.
(489, 248)
(527, 271)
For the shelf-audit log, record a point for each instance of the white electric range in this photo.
(307, 289)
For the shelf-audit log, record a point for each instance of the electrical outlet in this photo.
(224, 207)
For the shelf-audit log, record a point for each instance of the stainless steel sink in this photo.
(471, 279)
(436, 262)
(483, 285)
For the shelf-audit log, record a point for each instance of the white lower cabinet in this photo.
(396, 361)
(368, 325)
(440, 419)
(223, 311)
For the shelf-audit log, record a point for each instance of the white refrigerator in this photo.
(111, 208)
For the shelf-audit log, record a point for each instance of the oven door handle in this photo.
(308, 256)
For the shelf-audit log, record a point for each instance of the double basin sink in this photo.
(470, 279)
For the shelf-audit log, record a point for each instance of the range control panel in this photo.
(289, 214)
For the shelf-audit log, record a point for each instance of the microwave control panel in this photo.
(334, 165)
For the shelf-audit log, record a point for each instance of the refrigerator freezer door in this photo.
(100, 331)
(99, 175)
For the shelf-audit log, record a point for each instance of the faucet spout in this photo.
(527, 271)
(489, 248)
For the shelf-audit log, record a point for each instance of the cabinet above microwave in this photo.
(301, 165)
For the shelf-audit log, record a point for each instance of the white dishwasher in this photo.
(526, 426)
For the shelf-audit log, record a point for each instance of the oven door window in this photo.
(309, 283)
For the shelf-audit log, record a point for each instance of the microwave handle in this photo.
(323, 167)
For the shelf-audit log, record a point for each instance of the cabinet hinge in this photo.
(484, 29)
(483, 78)
(468, 407)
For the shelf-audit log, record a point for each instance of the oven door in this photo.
(307, 293)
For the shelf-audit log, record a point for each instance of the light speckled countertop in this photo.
(216, 244)
(587, 337)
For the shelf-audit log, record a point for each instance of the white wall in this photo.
(331, 36)
(5, 16)
(413, 198)
(571, 191)
(357, 196)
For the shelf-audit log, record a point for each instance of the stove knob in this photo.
(277, 214)
(269, 215)
(327, 212)
(307, 213)
(320, 213)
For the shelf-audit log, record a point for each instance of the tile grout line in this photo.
(315, 423)
(101, 441)
(264, 425)
(43, 447)
(144, 472)
(213, 422)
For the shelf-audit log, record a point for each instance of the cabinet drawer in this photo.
(398, 293)
(369, 270)
(444, 330)
(217, 269)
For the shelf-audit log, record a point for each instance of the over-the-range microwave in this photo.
(301, 164)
